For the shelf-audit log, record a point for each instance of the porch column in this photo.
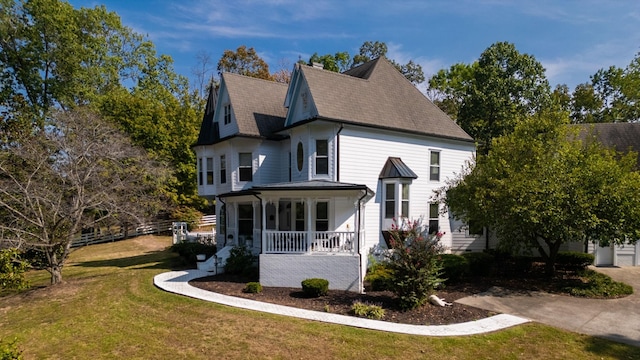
(309, 223)
(263, 223)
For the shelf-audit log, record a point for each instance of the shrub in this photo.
(252, 288)
(572, 260)
(521, 264)
(370, 311)
(413, 258)
(480, 263)
(12, 269)
(10, 351)
(455, 267)
(315, 287)
(241, 261)
(380, 277)
(598, 285)
(189, 250)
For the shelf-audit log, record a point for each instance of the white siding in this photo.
(269, 163)
(228, 129)
(363, 153)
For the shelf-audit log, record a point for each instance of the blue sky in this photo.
(572, 39)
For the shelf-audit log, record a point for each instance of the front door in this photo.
(245, 224)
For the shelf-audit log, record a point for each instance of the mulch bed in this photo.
(339, 302)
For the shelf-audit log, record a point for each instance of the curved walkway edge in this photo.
(178, 282)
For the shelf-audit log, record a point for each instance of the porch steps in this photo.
(216, 263)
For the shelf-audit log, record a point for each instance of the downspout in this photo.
(338, 153)
(360, 279)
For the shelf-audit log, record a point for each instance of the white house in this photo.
(310, 175)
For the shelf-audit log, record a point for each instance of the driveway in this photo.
(616, 319)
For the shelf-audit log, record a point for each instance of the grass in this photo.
(108, 308)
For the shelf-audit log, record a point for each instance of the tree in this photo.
(53, 56)
(612, 95)
(78, 172)
(373, 50)
(244, 62)
(413, 259)
(339, 62)
(494, 94)
(541, 186)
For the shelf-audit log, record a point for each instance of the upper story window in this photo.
(209, 171)
(227, 114)
(200, 170)
(434, 172)
(322, 157)
(245, 168)
(396, 200)
(223, 169)
(300, 156)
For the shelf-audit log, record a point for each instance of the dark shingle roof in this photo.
(620, 136)
(257, 104)
(376, 94)
(208, 134)
(396, 168)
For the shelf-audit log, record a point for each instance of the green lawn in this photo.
(108, 308)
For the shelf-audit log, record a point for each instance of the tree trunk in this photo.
(56, 274)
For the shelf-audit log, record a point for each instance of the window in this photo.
(300, 216)
(245, 168)
(300, 156)
(209, 171)
(200, 170)
(404, 209)
(322, 157)
(245, 220)
(393, 208)
(227, 114)
(475, 229)
(435, 166)
(390, 201)
(434, 216)
(322, 216)
(223, 169)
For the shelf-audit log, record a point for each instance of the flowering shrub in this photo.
(414, 260)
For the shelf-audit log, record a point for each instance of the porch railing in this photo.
(299, 242)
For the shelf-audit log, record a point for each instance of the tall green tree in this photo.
(339, 62)
(613, 95)
(370, 50)
(488, 98)
(541, 186)
(53, 56)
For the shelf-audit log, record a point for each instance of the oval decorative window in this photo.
(300, 156)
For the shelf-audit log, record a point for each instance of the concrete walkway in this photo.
(178, 282)
(615, 319)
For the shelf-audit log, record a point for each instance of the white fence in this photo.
(118, 233)
(207, 220)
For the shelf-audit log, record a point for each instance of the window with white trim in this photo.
(245, 168)
(434, 169)
(396, 200)
(322, 157)
(434, 218)
(227, 114)
(209, 163)
(322, 216)
(223, 169)
(200, 172)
